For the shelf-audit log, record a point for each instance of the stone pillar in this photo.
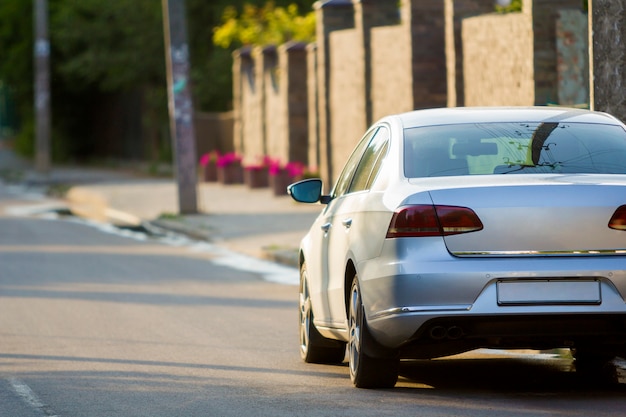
(369, 14)
(455, 11)
(607, 22)
(272, 120)
(330, 15)
(544, 17)
(429, 58)
(313, 108)
(293, 65)
(253, 115)
(572, 42)
(242, 71)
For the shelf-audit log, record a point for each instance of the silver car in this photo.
(455, 229)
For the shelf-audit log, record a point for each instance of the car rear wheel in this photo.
(367, 371)
(315, 348)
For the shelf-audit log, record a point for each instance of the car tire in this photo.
(315, 348)
(367, 371)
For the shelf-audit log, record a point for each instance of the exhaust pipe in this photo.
(455, 332)
(438, 332)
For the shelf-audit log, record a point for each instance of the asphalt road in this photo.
(98, 324)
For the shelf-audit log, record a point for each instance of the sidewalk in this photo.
(249, 221)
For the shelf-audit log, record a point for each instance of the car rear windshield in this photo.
(514, 148)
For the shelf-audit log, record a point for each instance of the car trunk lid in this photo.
(547, 217)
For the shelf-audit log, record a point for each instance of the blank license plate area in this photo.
(548, 292)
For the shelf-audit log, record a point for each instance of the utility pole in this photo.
(42, 87)
(180, 104)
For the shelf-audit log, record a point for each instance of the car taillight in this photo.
(618, 221)
(429, 220)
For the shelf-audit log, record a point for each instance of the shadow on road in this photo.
(506, 375)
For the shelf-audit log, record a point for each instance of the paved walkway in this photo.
(250, 221)
(245, 220)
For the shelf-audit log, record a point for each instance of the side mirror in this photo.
(306, 191)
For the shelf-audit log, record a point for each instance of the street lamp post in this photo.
(180, 104)
(42, 87)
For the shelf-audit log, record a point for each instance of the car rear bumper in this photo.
(408, 290)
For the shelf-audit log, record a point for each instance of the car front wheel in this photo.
(315, 348)
(367, 371)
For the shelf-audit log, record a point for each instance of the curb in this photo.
(283, 256)
(86, 203)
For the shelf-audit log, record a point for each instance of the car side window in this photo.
(371, 161)
(345, 179)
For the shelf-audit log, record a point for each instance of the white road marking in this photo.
(30, 397)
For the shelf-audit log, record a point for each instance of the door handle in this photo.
(347, 223)
(326, 227)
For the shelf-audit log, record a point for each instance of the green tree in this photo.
(107, 47)
(267, 25)
(112, 48)
(110, 44)
(16, 62)
(211, 65)
(513, 6)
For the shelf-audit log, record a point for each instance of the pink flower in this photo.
(267, 161)
(228, 159)
(209, 157)
(274, 167)
(295, 169)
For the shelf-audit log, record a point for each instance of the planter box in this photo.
(230, 174)
(280, 181)
(208, 172)
(256, 177)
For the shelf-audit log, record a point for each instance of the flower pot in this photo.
(230, 174)
(208, 172)
(279, 182)
(256, 177)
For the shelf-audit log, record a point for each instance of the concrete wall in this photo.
(347, 95)
(392, 78)
(287, 106)
(271, 104)
(498, 60)
(249, 103)
(275, 117)
(455, 12)
(512, 59)
(330, 16)
(376, 57)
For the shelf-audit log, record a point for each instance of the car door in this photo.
(346, 207)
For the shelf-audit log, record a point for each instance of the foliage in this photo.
(514, 6)
(16, 53)
(264, 26)
(501, 6)
(98, 48)
(113, 45)
(111, 48)
(211, 65)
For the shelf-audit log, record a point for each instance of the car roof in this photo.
(461, 115)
